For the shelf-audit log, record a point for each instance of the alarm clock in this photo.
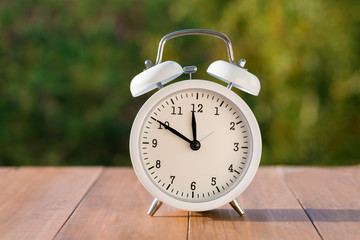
(195, 144)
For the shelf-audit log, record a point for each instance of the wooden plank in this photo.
(116, 208)
(35, 202)
(272, 212)
(331, 197)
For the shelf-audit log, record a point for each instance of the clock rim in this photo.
(150, 185)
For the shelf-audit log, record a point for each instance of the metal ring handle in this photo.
(195, 32)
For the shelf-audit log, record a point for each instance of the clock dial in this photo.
(195, 145)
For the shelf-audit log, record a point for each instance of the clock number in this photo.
(236, 147)
(200, 108)
(154, 143)
(193, 186)
(232, 126)
(172, 178)
(213, 181)
(217, 111)
(231, 168)
(158, 164)
(166, 123)
(174, 112)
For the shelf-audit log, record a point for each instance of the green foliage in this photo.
(66, 66)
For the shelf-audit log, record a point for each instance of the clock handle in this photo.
(195, 32)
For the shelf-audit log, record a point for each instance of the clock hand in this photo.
(174, 131)
(206, 136)
(193, 125)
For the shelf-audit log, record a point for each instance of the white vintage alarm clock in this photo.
(195, 144)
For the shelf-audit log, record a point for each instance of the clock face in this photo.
(195, 144)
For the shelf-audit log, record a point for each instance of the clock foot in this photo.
(156, 204)
(237, 207)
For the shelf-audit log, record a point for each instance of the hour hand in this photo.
(174, 131)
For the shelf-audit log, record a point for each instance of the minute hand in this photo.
(193, 125)
(174, 131)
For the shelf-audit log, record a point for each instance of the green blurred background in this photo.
(66, 67)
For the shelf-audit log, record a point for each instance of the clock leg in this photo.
(156, 204)
(237, 207)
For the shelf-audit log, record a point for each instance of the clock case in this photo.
(235, 75)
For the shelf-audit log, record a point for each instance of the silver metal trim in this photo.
(195, 32)
(237, 207)
(155, 205)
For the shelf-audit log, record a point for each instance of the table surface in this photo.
(110, 203)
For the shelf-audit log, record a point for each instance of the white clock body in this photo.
(205, 178)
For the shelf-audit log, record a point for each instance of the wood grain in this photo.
(331, 197)
(36, 202)
(116, 208)
(110, 203)
(272, 212)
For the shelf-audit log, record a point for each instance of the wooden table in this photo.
(110, 203)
